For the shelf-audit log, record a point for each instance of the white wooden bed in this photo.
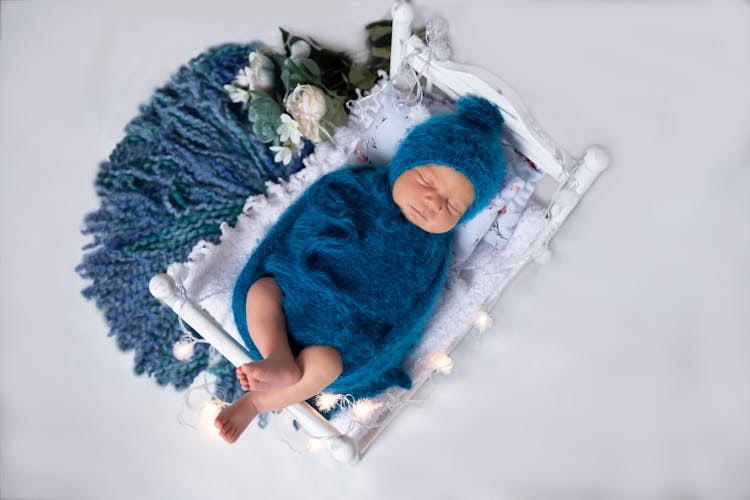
(347, 436)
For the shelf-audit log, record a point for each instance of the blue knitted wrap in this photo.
(187, 163)
(354, 274)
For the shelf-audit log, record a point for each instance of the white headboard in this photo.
(520, 130)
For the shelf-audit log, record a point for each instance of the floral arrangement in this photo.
(301, 95)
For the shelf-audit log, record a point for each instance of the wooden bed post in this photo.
(402, 14)
(162, 286)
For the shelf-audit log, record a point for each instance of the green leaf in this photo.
(380, 22)
(381, 52)
(299, 71)
(421, 32)
(380, 35)
(288, 40)
(335, 112)
(265, 114)
(361, 77)
(284, 35)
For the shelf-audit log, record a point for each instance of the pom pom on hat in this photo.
(481, 112)
(468, 141)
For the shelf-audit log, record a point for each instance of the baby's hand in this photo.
(242, 377)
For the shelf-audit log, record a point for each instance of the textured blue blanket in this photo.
(188, 161)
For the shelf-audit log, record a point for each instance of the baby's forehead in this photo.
(445, 172)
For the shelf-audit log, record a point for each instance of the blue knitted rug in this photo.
(186, 164)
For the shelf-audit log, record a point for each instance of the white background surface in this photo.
(617, 371)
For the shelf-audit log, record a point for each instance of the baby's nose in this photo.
(434, 202)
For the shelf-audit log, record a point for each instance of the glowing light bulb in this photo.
(482, 321)
(363, 408)
(326, 401)
(314, 444)
(183, 351)
(442, 363)
(208, 413)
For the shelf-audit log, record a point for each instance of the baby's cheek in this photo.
(445, 222)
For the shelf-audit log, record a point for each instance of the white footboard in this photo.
(163, 287)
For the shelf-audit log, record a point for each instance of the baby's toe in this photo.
(247, 368)
(219, 421)
(227, 432)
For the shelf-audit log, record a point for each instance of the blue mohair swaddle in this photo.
(354, 274)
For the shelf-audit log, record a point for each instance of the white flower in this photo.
(261, 71)
(300, 49)
(237, 94)
(244, 78)
(307, 104)
(283, 154)
(289, 129)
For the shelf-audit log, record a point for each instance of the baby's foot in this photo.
(234, 419)
(268, 373)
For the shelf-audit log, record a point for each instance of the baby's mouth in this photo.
(421, 215)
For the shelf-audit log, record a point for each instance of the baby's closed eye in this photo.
(423, 181)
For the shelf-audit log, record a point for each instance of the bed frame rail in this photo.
(163, 287)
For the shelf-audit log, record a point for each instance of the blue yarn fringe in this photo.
(186, 164)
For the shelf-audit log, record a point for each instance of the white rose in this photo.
(307, 105)
(300, 49)
(260, 73)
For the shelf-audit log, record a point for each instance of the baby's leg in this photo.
(267, 326)
(320, 365)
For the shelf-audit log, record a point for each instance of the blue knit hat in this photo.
(468, 141)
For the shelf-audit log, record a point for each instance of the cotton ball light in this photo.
(182, 350)
(315, 444)
(442, 363)
(544, 256)
(326, 401)
(363, 408)
(208, 413)
(482, 321)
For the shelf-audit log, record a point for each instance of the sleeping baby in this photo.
(339, 290)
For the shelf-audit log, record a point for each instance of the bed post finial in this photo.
(402, 14)
(162, 287)
(595, 161)
(344, 449)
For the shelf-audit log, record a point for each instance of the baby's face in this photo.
(433, 197)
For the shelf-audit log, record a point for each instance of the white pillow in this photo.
(496, 223)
